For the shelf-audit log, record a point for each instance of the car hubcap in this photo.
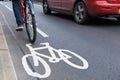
(79, 13)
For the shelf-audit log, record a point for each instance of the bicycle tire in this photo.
(85, 63)
(32, 73)
(31, 34)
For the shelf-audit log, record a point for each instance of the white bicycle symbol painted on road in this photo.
(37, 57)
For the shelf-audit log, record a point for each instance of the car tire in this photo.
(46, 9)
(80, 13)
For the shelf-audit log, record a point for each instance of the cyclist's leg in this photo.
(17, 12)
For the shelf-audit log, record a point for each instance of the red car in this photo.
(82, 10)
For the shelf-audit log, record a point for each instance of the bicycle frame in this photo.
(22, 9)
(23, 5)
(38, 58)
(53, 58)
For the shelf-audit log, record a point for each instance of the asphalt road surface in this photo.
(97, 43)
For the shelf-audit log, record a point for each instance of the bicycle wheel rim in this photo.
(34, 73)
(30, 25)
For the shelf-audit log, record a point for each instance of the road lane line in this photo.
(42, 33)
(8, 8)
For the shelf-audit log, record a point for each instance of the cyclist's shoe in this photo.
(19, 28)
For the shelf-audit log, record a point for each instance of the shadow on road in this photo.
(104, 22)
(99, 22)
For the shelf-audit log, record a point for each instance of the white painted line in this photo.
(8, 8)
(42, 33)
(39, 57)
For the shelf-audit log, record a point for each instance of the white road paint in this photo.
(38, 58)
(8, 8)
(42, 33)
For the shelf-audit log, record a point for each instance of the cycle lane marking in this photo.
(42, 33)
(38, 57)
(38, 30)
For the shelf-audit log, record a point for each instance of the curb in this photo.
(7, 71)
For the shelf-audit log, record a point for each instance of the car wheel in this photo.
(80, 13)
(46, 9)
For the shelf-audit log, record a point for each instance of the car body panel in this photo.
(67, 5)
(56, 4)
(94, 7)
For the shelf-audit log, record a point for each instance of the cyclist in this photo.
(18, 14)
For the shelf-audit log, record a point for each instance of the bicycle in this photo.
(37, 58)
(27, 9)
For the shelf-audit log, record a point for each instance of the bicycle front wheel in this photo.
(28, 69)
(30, 24)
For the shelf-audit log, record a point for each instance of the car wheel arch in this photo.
(77, 2)
(86, 16)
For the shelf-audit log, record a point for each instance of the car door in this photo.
(55, 4)
(67, 5)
